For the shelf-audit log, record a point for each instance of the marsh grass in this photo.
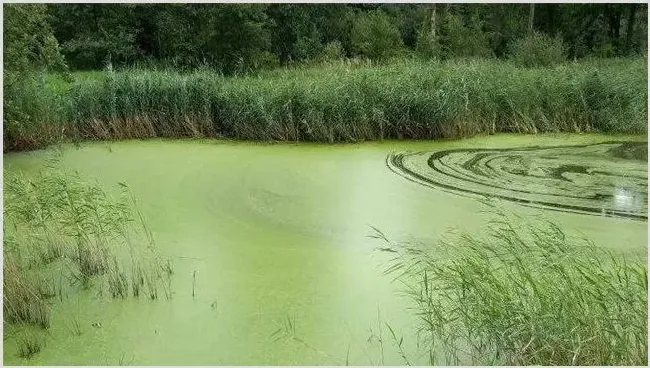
(29, 345)
(58, 227)
(399, 343)
(524, 293)
(21, 300)
(286, 332)
(340, 102)
(75, 328)
(377, 338)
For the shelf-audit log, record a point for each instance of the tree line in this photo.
(241, 37)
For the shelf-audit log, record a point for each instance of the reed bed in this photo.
(58, 228)
(338, 102)
(525, 293)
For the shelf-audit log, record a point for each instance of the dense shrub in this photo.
(375, 37)
(29, 50)
(537, 49)
(332, 51)
(427, 46)
(463, 40)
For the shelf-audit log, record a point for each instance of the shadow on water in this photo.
(609, 179)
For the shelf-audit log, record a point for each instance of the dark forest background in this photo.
(243, 37)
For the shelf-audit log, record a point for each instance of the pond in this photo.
(274, 237)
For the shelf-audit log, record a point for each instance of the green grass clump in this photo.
(21, 299)
(526, 294)
(537, 49)
(56, 227)
(29, 345)
(340, 102)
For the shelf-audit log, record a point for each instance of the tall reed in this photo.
(57, 223)
(525, 294)
(344, 102)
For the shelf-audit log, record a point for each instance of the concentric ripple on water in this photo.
(608, 178)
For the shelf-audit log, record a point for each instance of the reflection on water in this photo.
(628, 200)
(607, 178)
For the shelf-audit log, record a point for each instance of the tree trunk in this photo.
(617, 26)
(531, 18)
(614, 20)
(630, 28)
(433, 20)
(551, 14)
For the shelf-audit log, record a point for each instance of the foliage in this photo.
(504, 23)
(29, 49)
(235, 38)
(214, 39)
(344, 101)
(465, 41)
(57, 224)
(92, 36)
(30, 114)
(526, 294)
(428, 46)
(28, 41)
(537, 50)
(295, 35)
(374, 37)
(408, 19)
(332, 51)
(229, 37)
(308, 47)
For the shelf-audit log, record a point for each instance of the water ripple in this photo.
(609, 179)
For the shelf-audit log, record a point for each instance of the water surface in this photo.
(279, 231)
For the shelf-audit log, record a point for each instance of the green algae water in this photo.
(269, 242)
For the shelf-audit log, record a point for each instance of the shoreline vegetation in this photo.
(340, 101)
(62, 235)
(523, 292)
(320, 72)
(519, 293)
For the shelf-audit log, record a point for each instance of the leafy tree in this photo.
(242, 37)
(408, 18)
(461, 40)
(537, 49)
(295, 35)
(233, 36)
(504, 23)
(308, 46)
(230, 37)
(428, 45)
(334, 23)
(375, 37)
(29, 44)
(29, 49)
(91, 35)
